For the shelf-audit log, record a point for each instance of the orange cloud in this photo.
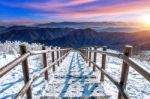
(78, 2)
(116, 9)
(92, 10)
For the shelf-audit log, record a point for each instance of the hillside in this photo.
(89, 37)
(97, 26)
(30, 34)
(77, 38)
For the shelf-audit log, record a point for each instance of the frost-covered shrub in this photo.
(13, 47)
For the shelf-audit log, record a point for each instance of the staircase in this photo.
(74, 80)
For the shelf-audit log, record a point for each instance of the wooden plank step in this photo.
(92, 97)
(70, 71)
(76, 89)
(74, 79)
(74, 73)
(75, 76)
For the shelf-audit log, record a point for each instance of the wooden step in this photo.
(92, 97)
(75, 76)
(73, 79)
(74, 73)
(75, 89)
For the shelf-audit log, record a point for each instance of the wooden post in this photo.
(94, 58)
(45, 63)
(125, 69)
(61, 55)
(86, 54)
(84, 51)
(25, 70)
(103, 62)
(64, 54)
(53, 57)
(58, 55)
(89, 56)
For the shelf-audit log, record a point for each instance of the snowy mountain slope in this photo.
(88, 37)
(69, 37)
(30, 34)
(137, 86)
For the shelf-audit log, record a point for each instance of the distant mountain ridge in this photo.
(30, 34)
(83, 23)
(97, 26)
(69, 37)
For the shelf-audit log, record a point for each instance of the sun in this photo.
(145, 19)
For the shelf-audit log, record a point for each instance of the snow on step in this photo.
(91, 97)
(76, 90)
(75, 80)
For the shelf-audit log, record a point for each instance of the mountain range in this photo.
(97, 26)
(70, 37)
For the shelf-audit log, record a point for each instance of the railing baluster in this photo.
(94, 59)
(63, 53)
(90, 56)
(53, 58)
(58, 54)
(25, 70)
(125, 69)
(103, 62)
(45, 63)
(86, 52)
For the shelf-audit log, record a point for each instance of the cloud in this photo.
(61, 7)
(115, 9)
(49, 5)
(22, 21)
(81, 9)
(78, 2)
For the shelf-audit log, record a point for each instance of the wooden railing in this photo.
(127, 61)
(61, 54)
(86, 54)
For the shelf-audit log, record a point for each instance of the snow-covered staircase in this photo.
(74, 80)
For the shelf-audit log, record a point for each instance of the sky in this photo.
(43, 11)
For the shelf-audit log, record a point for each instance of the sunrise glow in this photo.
(145, 19)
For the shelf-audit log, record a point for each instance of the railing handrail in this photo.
(46, 51)
(5, 69)
(105, 52)
(26, 86)
(128, 60)
(121, 89)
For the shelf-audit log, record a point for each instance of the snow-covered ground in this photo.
(12, 82)
(137, 86)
